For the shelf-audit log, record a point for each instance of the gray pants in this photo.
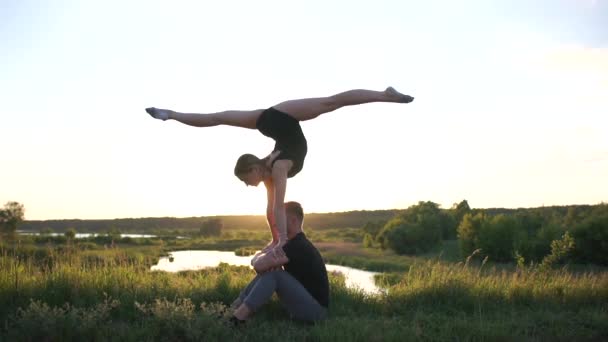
(292, 294)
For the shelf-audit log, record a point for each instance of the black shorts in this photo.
(288, 135)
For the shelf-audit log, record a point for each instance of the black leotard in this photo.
(288, 135)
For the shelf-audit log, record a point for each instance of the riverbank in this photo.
(109, 294)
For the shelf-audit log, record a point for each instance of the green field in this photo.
(83, 291)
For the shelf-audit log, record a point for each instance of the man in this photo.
(297, 275)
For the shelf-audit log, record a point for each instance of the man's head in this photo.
(295, 217)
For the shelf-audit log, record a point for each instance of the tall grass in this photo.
(50, 294)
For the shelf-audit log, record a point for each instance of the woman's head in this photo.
(250, 169)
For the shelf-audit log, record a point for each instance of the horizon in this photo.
(311, 213)
(509, 111)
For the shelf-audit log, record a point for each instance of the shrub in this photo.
(373, 228)
(591, 240)
(368, 241)
(211, 227)
(408, 238)
(559, 251)
(468, 233)
(497, 237)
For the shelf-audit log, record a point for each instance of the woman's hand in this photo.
(278, 247)
(269, 246)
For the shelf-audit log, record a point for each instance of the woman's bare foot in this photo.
(401, 98)
(157, 113)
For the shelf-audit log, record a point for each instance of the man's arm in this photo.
(269, 260)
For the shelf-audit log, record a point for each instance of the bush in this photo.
(540, 245)
(368, 241)
(408, 238)
(497, 238)
(429, 216)
(373, 228)
(559, 251)
(41, 322)
(468, 233)
(591, 240)
(211, 227)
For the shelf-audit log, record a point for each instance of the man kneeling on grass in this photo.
(297, 275)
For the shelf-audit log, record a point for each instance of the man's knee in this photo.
(271, 274)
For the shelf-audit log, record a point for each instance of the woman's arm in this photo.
(279, 180)
(270, 158)
(270, 215)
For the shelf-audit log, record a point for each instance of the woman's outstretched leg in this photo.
(306, 109)
(238, 118)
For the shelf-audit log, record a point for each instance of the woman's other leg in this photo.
(306, 109)
(238, 118)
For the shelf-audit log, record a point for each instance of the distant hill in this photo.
(249, 222)
(258, 222)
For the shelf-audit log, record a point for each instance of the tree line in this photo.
(576, 233)
(193, 224)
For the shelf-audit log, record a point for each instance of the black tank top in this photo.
(288, 137)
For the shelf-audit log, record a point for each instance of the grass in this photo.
(352, 254)
(65, 293)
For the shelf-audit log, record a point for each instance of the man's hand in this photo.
(270, 260)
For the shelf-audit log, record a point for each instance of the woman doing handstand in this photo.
(281, 123)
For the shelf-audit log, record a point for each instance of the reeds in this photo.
(67, 294)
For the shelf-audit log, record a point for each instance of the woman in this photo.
(281, 123)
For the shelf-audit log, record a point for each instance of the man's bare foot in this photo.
(243, 312)
(237, 302)
(401, 98)
(157, 113)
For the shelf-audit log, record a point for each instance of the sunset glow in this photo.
(510, 109)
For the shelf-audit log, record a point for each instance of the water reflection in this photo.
(196, 260)
(89, 235)
(356, 278)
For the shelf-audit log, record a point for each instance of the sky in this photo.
(510, 110)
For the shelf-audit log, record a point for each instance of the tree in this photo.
(373, 227)
(430, 217)
(10, 216)
(497, 237)
(70, 234)
(559, 251)
(368, 241)
(212, 227)
(46, 231)
(417, 230)
(468, 232)
(591, 238)
(114, 234)
(459, 210)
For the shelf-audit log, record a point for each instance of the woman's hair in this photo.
(245, 163)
